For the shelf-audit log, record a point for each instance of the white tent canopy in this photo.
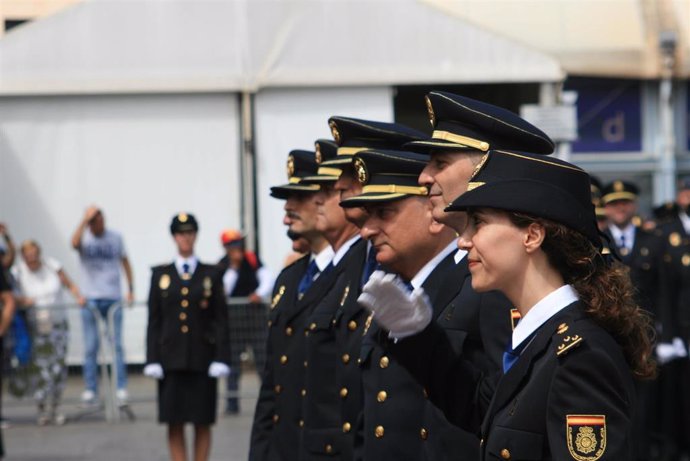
(604, 37)
(246, 45)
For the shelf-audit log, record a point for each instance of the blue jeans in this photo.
(91, 341)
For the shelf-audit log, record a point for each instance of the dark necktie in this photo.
(185, 272)
(370, 266)
(308, 278)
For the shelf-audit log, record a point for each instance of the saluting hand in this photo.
(402, 313)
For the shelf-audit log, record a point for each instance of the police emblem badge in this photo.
(430, 109)
(586, 436)
(318, 157)
(618, 186)
(164, 282)
(182, 217)
(276, 298)
(290, 166)
(207, 284)
(335, 132)
(361, 170)
(674, 239)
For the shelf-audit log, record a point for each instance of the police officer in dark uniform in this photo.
(672, 350)
(477, 326)
(566, 391)
(187, 341)
(333, 384)
(278, 417)
(641, 250)
(418, 252)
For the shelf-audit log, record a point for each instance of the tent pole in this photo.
(248, 199)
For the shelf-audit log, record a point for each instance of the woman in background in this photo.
(40, 283)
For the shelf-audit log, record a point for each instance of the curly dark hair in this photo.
(604, 287)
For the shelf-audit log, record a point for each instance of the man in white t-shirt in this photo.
(101, 253)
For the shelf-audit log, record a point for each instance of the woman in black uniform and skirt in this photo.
(187, 341)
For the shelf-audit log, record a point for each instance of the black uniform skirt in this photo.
(187, 397)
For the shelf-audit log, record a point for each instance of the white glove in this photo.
(218, 370)
(403, 314)
(154, 370)
(679, 346)
(665, 352)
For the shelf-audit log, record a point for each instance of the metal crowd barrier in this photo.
(247, 325)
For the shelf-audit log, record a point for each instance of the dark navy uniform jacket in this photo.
(328, 386)
(569, 396)
(278, 420)
(188, 320)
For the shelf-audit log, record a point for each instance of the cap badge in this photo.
(335, 132)
(430, 109)
(479, 165)
(586, 436)
(164, 282)
(618, 186)
(182, 217)
(290, 166)
(317, 156)
(361, 170)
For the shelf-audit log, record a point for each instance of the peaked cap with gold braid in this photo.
(300, 164)
(533, 184)
(387, 175)
(464, 124)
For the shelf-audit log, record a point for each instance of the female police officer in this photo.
(566, 391)
(187, 341)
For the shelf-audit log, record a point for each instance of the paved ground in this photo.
(90, 437)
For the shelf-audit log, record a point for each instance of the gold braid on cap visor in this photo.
(396, 189)
(464, 140)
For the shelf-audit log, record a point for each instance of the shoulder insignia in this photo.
(674, 239)
(514, 318)
(586, 436)
(562, 328)
(164, 282)
(344, 297)
(207, 284)
(568, 342)
(278, 295)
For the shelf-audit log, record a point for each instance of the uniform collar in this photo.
(192, 261)
(424, 272)
(685, 221)
(459, 255)
(541, 312)
(628, 231)
(344, 249)
(324, 258)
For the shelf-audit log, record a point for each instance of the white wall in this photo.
(289, 119)
(141, 158)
